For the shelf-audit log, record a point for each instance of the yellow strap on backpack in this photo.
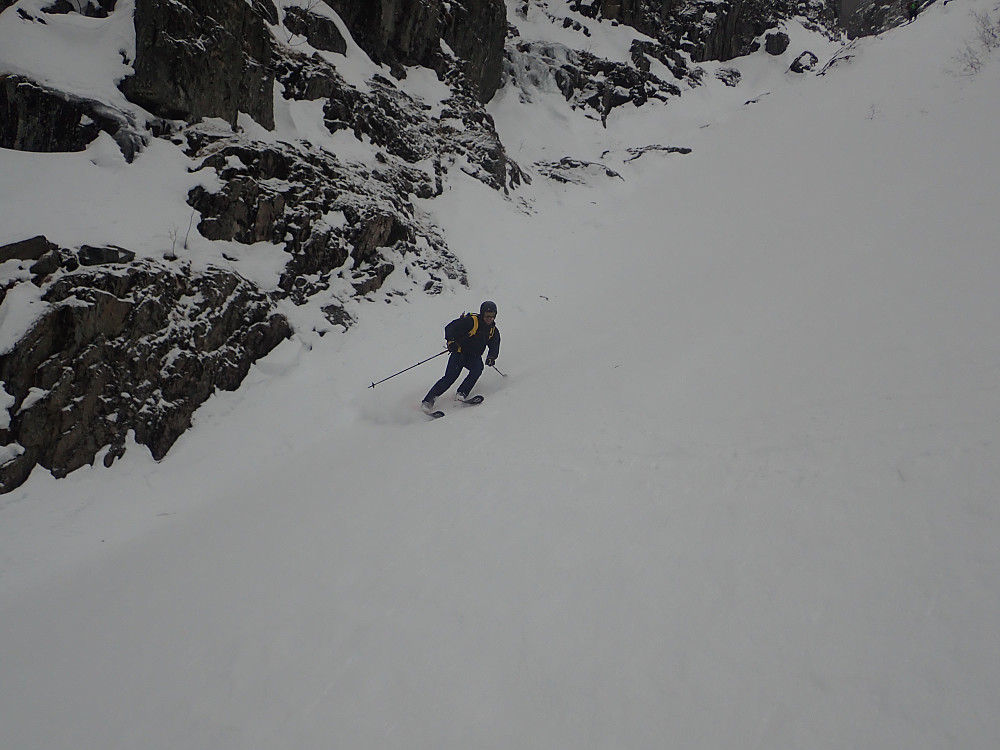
(475, 326)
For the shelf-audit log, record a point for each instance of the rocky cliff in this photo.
(131, 340)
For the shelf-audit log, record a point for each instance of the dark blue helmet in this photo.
(488, 307)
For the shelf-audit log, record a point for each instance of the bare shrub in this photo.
(987, 39)
(987, 30)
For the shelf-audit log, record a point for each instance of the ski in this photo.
(473, 401)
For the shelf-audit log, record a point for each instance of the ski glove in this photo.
(452, 346)
(490, 361)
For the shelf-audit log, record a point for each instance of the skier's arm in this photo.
(494, 350)
(458, 329)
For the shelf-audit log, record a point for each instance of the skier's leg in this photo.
(451, 373)
(475, 367)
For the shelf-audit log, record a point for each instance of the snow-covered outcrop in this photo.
(38, 118)
(121, 345)
(308, 132)
(201, 58)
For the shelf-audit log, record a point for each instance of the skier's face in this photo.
(489, 318)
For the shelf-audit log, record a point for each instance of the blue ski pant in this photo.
(457, 362)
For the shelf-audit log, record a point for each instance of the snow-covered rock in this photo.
(305, 139)
(122, 345)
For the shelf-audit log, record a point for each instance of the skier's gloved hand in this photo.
(452, 346)
(490, 361)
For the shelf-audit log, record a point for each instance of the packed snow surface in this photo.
(739, 488)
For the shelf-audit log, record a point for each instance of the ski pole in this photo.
(502, 375)
(409, 368)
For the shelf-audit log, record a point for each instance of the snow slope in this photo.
(739, 488)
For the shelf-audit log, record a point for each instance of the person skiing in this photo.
(467, 338)
(912, 9)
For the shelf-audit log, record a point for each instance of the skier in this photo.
(912, 9)
(467, 338)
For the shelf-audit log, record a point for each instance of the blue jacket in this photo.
(473, 336)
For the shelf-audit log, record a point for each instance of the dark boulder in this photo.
(637, 152)
(90, 255)
(805, 62)
(776, 43)
(46, 265)
(321, 32)
(36, 118)
(305, 78)
(399, 33)
(32, 248)
(202, 58)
